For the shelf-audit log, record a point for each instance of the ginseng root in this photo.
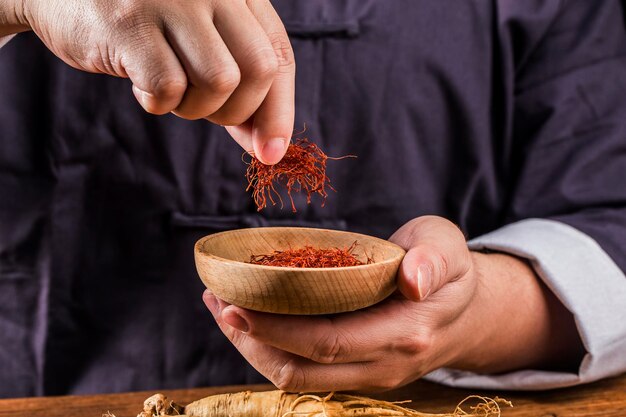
(282, 404)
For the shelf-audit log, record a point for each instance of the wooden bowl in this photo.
(222, 263)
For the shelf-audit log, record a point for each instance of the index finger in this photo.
(294, 373)
(272, 124)
(363, 336)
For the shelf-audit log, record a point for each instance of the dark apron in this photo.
(101, 203)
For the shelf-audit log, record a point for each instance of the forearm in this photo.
(515, 321)
(11, 18)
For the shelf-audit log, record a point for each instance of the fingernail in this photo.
(233, 319)
(143, 97)
(424, 281)
(273, 150)
(211, 301)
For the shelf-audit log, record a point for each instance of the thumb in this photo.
(436, 255)
(422, 272)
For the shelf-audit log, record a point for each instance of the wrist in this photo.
(13, 17)
(514, 321)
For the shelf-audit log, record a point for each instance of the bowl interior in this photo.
(240, 245)
(222, 263)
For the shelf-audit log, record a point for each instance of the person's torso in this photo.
(101, 203)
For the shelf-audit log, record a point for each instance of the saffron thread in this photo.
(310, 257)
(303, 168)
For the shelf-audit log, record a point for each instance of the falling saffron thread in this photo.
(303, 168)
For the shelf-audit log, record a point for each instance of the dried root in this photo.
(282, 404)
(340, 405)
(158, 405)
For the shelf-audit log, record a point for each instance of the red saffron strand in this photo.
(303, 168)
(310, 257)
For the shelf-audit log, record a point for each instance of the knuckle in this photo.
(379, 378)
(282, 51)
(237, 338)
(289, 377)
(101, 57)
(224, 81)
(262, 65)
(385, 377)
(168, 85)
(410, 346)
(131, 15)
(386, 383)
(327, 349)
(414, 344)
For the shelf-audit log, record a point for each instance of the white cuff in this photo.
(588, 283)
(5, 39)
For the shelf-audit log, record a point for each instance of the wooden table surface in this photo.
(605, 398)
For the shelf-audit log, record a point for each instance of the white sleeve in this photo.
(5, 39)
(588, 283)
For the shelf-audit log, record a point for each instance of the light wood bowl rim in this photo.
(399, 251)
